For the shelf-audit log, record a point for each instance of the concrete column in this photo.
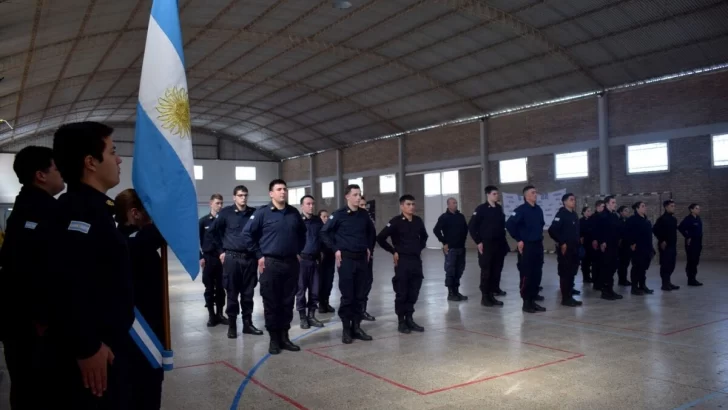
(339, 184)
(312, 176)
(219, 148)
(401, 186)
(484, 166)
(603, 114)
(280, 169)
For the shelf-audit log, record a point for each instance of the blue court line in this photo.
(702, 399)
(251, 373)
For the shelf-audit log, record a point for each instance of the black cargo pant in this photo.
(608, 265)
(586, 261)
(146, 382)
(668, 259)
(640, 265)
(212, 279)
(278, 284)
(407, 282)
(596, 265)
(491, 265)
(530, 265)
(568, 267)
(369, 281)
(692, 252)
(327, 268)
(308, 281)
(624, 260)
(26, 357)
(240, 277)
(353, 280)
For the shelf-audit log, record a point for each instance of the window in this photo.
(450, 182)
(295, 195)
(198, 172)
(327, 189)
(387, 184)
(245, 173)
(647, 158)
(720, 150)
(358, 181)
(513, 170)
(572, 165)
(432, 184)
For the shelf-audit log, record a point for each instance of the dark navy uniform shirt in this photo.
(607, 228)
(313, 235)
(226, 231)
(692, 228)
(349, 231)
(409, 237)
(451, 229)
(586, 227)
(565, 229)
(526, 223)
(665, 229)
(638, 232)
(488, 224)
(94, 298)
(207, 244)
(276, 233)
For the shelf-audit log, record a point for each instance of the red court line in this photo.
(252, 380)
(517, 341)
(693, 327)
(639, 330)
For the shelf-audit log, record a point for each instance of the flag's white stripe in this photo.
(162, 70)
(147, 341)
(167, 360)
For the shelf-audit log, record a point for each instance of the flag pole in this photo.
(165, 297)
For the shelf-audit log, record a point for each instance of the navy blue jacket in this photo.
(488, 224)
(564, 230)
(451, 229)
(607, 229)
(273, 232)
(586, 226)
(638, 232)
(349, 231)
(665, 229)
(206, 242)
(692, 228)
(409, 237)
(226, 231)
(526, 223)
(313, 237)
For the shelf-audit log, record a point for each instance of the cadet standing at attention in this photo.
(564, 230)
(488, 230)
(526, 226)
(607, 232)
(624, 251)
(28, 235)
(593, 246)
(239, 267)
(308, 279)
(665, 231)
(451, 230)
(93, 289)
(409, 238)
(276, 235)
(585, 227)
(692, 229)
(211, 266)
(327, 269)
(370, 264)
(350, 233)
(638, 235)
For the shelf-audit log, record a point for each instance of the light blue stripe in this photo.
(168, 367)
(145, 350)
(166, 14)
(167, 353)
(702, 399)
(167, 192)
(148, 330)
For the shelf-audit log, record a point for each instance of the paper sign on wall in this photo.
(549, 202)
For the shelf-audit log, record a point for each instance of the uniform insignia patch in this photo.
(475, 213)
(513, 214)
(30, 225)
(79, 226)
(557, 219)
(133, 234)
(252, 216)
(207, 227)
(388, 225)
(110, 202)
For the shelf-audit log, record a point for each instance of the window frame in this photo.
(626, 158)
(202, 172)
(500, 174)
(333, 188)
(359, 181)
(556, 160)
(394, 176)
(712, 150)
(255, 173)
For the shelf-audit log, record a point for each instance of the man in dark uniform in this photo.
(488, 229)
(308, 278)
(665, 231)
(409, 238)
(638, 235)
(327, 268)
(239, 267)
(370, 264)
(277, 235)
(350, 233)
(692, 229)
(585, 228)
(564, 230)
(593, 247)
(28, 236)
(211, 266)
(451, 230)
(607, 232)
(93, 294)
(624, 251)
(525, 225)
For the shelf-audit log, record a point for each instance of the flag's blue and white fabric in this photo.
(163, 168)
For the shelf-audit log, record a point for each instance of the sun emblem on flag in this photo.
(174, 110)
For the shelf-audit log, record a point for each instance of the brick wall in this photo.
(443, 143)
(387, 205)
(376, 155)
(296, 169)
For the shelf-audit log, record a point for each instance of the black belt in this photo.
(309, 257)
(353, 255)
(240, 254)
(281, 258)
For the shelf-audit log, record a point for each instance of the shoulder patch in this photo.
(475, 213)
(513, 214)
(388, 225)
(252, 216)
(79, 226)
(557, 219)
(30, 224)
(110, 202)
(133, 234)
(331, 217)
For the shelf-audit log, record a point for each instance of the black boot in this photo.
(357, 332)
(571, 302)
(304, 319)
(460, 295)
(674, 287)
(367, 316)
(346, 331)
(499, 292)
(286, 343)
(637, 291)
(274, 347)
(232, 328)
(248, 327)
(326, 308)
(528, 306)
(412, 325)
(212, 319)
(221, 318)
(694, 282)
(490, 300)
(643, 287)
(402, 327)
(608, 294)
(452, 295)
(538, 307)
(575, 292)
(312, 319)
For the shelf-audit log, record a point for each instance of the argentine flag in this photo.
(163, 169)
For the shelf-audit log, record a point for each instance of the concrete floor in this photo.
(663, 351)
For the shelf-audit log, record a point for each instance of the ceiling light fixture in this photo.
(341, 4)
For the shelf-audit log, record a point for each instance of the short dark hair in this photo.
(692, 206)
(566, 197)
(667, 203)
(72, 143)
(216, 196)
(527, 188)
(275, 182)
(30, 160)
(490, 188)
(599, 202)
(363, 197)
(584, 209)
(350, 187)
(306, 196)
(322, 211)
(608, 198)
(406, 197)
(636, 205)
(622, 208)
(240, 188)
